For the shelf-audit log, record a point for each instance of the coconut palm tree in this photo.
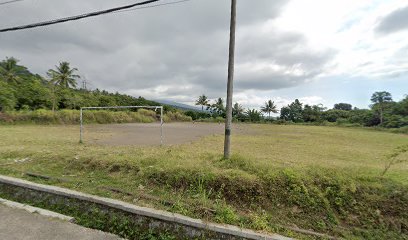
(237, 110)
(9, 70)
(63, 75)
(269, 108)
(219, 106)
(203, 101)
(253, 115)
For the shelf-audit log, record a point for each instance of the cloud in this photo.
(394, 22)
(175, 52)
(269, 58)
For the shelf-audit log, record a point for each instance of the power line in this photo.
(12, 1)
(152, 6)
(73, 18)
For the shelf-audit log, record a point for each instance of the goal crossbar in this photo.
(120, 107)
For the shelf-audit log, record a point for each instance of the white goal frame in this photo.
(121, 107)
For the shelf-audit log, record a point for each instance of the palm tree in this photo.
(203, 101)
(269, 107)
(253, 115)
(237, 110)
(9, 70)
(63, 75)
(219, 106)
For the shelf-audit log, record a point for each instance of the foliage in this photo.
(195, 115)
(396, 157)
(269, 108)
(312, 113)
(384, 113)
(333, 115)
(380, 100)
(238, 111)
(11, 72)
(293, 112)
(343, 106)
(7, 97)
(218, 108)
(64, 76)
(253, 115)
(23, 91)
(202, 101)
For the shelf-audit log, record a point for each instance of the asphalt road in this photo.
(16, 224)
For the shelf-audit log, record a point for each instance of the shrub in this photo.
(177, 116)
(42, 116)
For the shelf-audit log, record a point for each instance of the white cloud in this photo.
(283, 47)
(349, 27)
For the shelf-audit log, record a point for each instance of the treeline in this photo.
(22, 90)
(30, 98)
(383, 112)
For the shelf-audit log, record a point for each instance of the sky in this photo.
(317, 51)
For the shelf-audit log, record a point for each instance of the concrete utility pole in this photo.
(230, 85)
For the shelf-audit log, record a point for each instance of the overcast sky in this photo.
(319, 51)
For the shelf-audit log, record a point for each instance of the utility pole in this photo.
(230, 85)
(84, 84)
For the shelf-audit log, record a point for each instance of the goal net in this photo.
(154, 108)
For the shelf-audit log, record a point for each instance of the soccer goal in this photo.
(81, 119)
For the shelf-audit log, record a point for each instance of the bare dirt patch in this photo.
(149, 134)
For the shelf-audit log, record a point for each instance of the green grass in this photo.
(323, 178)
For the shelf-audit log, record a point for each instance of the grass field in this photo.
(327, 179)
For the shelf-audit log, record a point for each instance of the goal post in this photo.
(81, 118)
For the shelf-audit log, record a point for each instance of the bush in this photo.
(195, 115)
(42, 116)
(333, 114)
(395, 121)
(176, 117)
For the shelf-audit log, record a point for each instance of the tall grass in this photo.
(90, 116)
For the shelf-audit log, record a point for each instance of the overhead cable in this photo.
(74, 18)
(153, 6)
(11, 1)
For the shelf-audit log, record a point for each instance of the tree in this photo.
(285, 113)
(10, 71)
(237, 110)
(64, 75)
(253, 115)
(333, 115)
(343, 106)
(218, 108)
(293, 112)
(401, 107)
(33, 94)
(269, 107)
(202, 101)
(312, 113)
(380, 100)
(7, 97)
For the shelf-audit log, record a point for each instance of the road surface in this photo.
(17, 224)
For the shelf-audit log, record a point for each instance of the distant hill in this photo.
(181, 106)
